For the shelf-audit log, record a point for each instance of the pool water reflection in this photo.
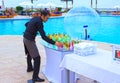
(109, 31)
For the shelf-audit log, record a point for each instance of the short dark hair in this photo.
(45, 12)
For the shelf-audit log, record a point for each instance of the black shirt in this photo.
(32, 27)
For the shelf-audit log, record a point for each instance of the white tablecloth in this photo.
(52, 71)
(100, 67)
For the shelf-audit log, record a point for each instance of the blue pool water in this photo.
(109, 31)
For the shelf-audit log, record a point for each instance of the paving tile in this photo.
(13, 61)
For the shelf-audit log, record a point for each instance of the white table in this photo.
(100, 67)
(52, 71)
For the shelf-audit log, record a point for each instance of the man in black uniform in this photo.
(32, 27)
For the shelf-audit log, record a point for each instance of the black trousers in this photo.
(30, 46)
(31, 51)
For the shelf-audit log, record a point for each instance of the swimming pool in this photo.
(109, 31)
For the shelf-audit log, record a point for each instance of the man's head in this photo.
(45, 15)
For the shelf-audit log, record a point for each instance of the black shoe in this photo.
(38, 80)
(29, 69)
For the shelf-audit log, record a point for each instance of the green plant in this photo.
(59, 9)
(19, 9)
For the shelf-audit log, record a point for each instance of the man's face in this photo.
(45, 18)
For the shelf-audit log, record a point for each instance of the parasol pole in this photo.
(72, 3)
(96, 4)
(91, 3)
(66, 4)
(32, 3)
(3, 5)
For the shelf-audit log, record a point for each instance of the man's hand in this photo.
(59, 44)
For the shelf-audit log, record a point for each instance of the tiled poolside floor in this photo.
(13, 60)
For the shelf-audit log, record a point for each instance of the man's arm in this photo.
(26, 24)
(43, 35)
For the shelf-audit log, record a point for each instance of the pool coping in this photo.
(26, 17)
